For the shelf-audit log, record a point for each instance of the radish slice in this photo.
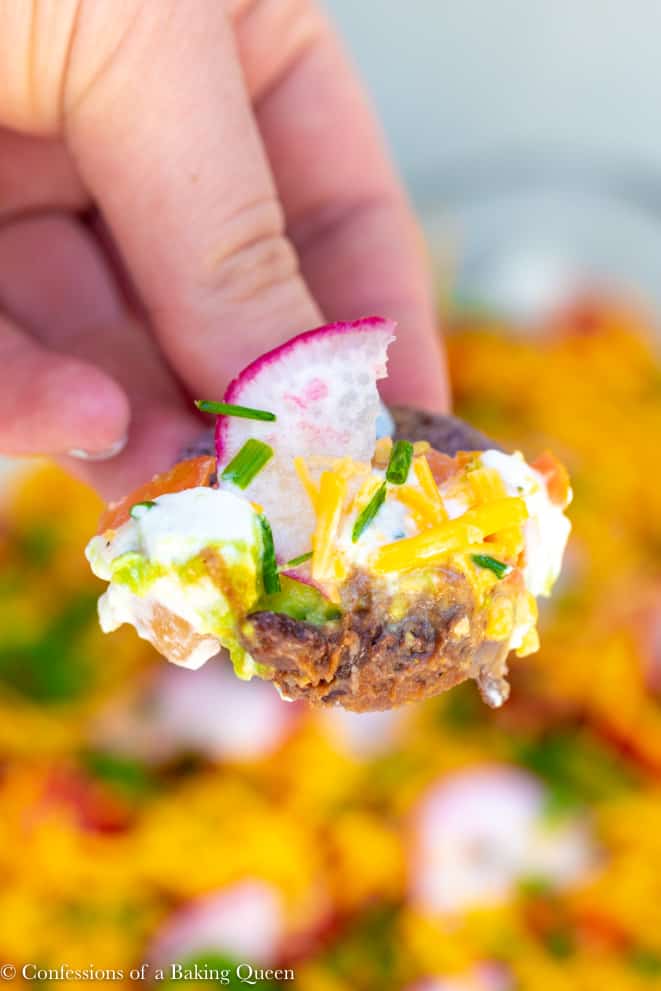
(244, 920)
(481, 977)
(212, 713)
(478, 832)
(321, 386)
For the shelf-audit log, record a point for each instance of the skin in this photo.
(178, 193)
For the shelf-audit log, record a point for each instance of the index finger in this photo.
(165, 138)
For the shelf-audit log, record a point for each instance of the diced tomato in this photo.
(184, 475)
(555, 475)
(596, 927)
(442, 465)
(94, 805)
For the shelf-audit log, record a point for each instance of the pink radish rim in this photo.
(364, 325)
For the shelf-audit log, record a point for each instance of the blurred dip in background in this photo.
(529, 135)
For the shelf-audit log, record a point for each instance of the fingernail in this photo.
(105, 455)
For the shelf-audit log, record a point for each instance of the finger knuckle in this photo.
(255, 255)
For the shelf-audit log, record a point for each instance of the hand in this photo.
(183, 184)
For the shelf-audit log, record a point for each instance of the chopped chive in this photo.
(149, 504)
(366, 515)
(499, 568)
(295, 561)
(247, 462)
(270, 577)
(229, 409)
(400, 462)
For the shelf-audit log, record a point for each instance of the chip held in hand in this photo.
(347, 571)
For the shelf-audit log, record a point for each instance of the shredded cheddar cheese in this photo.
(497, 515)
(329, 505)
(486, 485)
(364, 494)
(423, 510)
(427, 548)
(382, 452)
(306, 481)
(508, 545)
(500, 621)
(433, 545)
(429, 487)
(529, 644)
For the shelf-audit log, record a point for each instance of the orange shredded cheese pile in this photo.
(306, 481)
(429, 487)
(433, 545)
(493, 517)
(329, 505)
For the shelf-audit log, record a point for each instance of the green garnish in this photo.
(229, 409)
(400, 462)
(366, 515)
(646, 962)
(149, 504)
(300, 601)
(124, 774)
(270, 576)
(499, 568)
(247, 462)
(135, 571)
(295, 561)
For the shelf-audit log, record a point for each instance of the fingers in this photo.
(166, 140)
(36, 173)
(50, 404)
(154, 106)
(54, 280)
(359, 247)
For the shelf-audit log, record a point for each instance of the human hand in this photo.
(183, 185)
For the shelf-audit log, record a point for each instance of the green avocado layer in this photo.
(300, 601)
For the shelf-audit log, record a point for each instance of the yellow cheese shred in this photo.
(424, 511)
(364, 494)
(382, 452)
(329, 505)
(433, 545)
(510, 544)
(497, 515)
(486, 485)
(306, 481)
(500, 619)
(429, 487)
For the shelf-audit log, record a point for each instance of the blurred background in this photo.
(528, 134)
(153, 814)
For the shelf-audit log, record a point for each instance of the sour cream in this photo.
(546, 530)
(177, 528)
(162, 539)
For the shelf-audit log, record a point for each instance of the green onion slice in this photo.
(270, 577)
(149, 504)
(499, 568)
(400, 462)
(366, 515)
(229, 409)
(247, 462)
(295, 561)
